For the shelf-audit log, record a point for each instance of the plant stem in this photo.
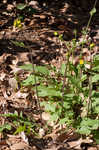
(90, 94)
(90, 88)
(88, 24)
(34, 73)
(64, 80)
(91, 16)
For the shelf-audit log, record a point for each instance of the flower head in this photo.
(81, 61)
(17, 23)
(92, 45)
(55, 33)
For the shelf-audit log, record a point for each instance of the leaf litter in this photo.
(12, 99)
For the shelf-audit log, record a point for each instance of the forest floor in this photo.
(37, 33)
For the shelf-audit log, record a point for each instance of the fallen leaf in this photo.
(18, 146)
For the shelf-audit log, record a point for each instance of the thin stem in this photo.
(90, 87)
(64, 78)
(90, 93)
(64, 81)
(34, 73)
(89, 23)
(90, 17)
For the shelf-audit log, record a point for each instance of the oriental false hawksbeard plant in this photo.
(70, 94)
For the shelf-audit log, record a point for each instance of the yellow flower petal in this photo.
(55, 33)
(20, 25)
(17, 23)
(92, 45)
(81, 61)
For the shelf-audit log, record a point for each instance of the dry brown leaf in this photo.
(10, 7)
(21, 95)
(18, 146)
(46, 117)
(24, 137)
(2, 76)
(13, 84)
(92, 148)
(13, 139)
(70, 136)
(41, 132)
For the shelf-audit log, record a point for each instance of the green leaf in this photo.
(96, 60)
(20, 129)
(54, 117)
(96, 110)
(84, 77)
(5, 126)
(96, 68)
(95, 78)
(50, 107)
(63, 121)
(84, 130)
(93, 11)
(96, 137)
(75, 81)
(21, 6)
(66, 105)
(87, 125)
(95, 105)
(63, 67)
(71, 95)
(47, 91)
(10, 115)
(96, 63)
(38, 69)
(42, 69)
(29, 81)
(27, 67)
(17, 43)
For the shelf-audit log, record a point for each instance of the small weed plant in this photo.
(70, 94)
(18, 123)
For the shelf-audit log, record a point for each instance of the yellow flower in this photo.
(20, 25)
(92, 45)
(17, 23)
(55, 33)
(81, 61)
